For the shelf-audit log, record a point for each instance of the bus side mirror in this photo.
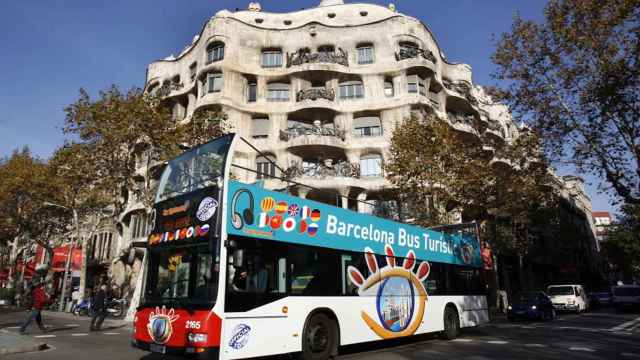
(238, 258)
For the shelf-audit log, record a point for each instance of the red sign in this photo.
(59, 260)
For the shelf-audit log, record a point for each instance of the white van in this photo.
(568, 297)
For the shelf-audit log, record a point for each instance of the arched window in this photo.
(367, 126)
(365, 53)
(326, 49)
(278, 92)
(265, 167)
(215, 52)
(260, 127)
(271, 58)
(351, 89)
(408, 47)
(371, 165)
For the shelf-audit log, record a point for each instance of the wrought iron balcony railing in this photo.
(319, 130)
(414, 52)
(315, 94)
(305, 56)
(323, 169)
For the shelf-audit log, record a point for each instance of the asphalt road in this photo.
(603, 334)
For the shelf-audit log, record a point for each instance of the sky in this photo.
(50, 49)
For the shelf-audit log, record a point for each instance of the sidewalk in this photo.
(13, 343)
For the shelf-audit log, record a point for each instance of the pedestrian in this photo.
(39, 300)
(99, 308)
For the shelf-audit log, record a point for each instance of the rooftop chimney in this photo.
(330, 2)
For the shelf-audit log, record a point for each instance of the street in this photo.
(603, 334)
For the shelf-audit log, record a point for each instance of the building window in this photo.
(351, 89)
(214, 82)
(388, 88)
(371, 166)
(416, 84)
(252, 92)
(100, 247)
(265, 167)
(367, 126)
(278, 92)
(365, 54)
(193, 69)
(138, 225)
(260, 128)
(271, 58)
(215, 52)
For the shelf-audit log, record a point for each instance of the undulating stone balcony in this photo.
(315, 94)
(305, 56)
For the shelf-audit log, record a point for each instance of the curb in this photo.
(35, 346)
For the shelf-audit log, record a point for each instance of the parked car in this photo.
(600, 299)
(531, 305)
(568, 297)
(626, 296)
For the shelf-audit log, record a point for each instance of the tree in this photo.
(621, 248)
(115, 130)
(27, 183)
(575, 78)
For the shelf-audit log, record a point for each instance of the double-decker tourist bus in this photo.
(236, 271)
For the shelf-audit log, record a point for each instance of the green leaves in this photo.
(575, 78)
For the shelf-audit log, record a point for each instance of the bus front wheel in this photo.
(320, 338)
(451, 323)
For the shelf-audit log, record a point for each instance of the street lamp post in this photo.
(69, 255)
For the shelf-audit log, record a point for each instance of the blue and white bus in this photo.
(236, 271)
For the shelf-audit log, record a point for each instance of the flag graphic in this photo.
(281, 208)
(303, 226)
(315, 215)
(276, 222)
(289, 224)
(264, 220)
(267, 204)
(313, 229)
(293, 209)
(304, 213)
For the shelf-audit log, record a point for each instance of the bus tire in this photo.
(319, 338)
(451, 323)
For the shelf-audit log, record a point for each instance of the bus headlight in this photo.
(509, 307)
(197, 338)
(533, 307)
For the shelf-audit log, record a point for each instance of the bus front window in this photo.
(195, 169)
(188, 275)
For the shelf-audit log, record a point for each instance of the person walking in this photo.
(99, 308)
(39, 300)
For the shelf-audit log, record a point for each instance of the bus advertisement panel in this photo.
(256, 212)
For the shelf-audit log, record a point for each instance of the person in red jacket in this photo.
(39, 300)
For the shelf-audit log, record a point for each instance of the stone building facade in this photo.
(319, 92)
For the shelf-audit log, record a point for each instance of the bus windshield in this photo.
(185, 274)
(195, 169)
(560, 290)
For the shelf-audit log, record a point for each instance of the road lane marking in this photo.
(462, 340)
(72, 325)
(44, 336)
(580, 348)
(535, 345)
(83, 334)
(111, 333)
(12, 327)
(497, 342)
(626, 325)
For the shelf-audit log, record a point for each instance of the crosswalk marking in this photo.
(497, 342)
(82, 334)
(111, 333)
(462, 340)
(629, 325)
(44, 336)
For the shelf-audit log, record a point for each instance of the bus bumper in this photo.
(189, 351)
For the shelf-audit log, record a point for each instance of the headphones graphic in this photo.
(237, 220)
